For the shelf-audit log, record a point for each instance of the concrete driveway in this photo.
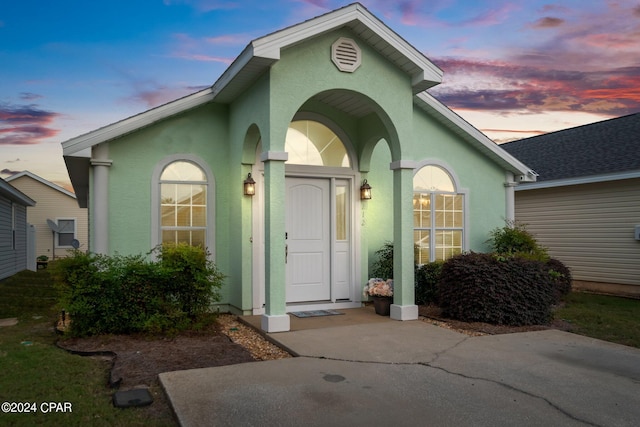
(413, 373)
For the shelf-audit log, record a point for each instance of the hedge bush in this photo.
(477, 287)
(427, 277)
(125, 294)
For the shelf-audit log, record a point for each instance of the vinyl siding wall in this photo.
(52, 204)
(589, 227)
(12, 260)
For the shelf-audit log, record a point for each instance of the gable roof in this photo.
(42, 181)
(600, 151)
(260, 54)
(8, 191)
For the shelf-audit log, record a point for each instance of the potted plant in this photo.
(381, 292)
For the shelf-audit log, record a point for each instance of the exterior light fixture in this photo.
(249, 186)
(365, 191)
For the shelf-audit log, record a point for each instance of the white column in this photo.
(510, 198)
(403, 307)
(100, 198)
(275, 318)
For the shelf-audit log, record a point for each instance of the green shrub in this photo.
(124, 294)
(383, 267)
(427, 277)
(194, 280)
(478, 287)
(514, 240)
(561, 277)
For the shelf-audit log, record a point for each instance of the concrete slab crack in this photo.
(517, 390)
(469, 377)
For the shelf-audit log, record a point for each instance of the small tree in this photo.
(515, 240)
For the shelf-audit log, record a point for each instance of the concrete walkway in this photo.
(384, 372)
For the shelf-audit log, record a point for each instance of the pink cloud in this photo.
(25, 124)
(504, 86)
(548, 22)
(192, 49)
(229, 39)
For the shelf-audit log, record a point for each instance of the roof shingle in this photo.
(606, 147)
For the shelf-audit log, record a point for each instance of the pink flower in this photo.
(377, 287)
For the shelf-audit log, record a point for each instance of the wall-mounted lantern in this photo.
(249, 186)
(365, 191)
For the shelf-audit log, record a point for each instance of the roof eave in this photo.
(133, 123)
(12, 193)
(269, 47)
(40, 180)
(588, 179)
(456, 123)
(78, 168)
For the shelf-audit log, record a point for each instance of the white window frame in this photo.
(156, 229)
(457, 191)
(75, 232)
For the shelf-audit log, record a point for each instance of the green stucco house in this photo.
(312, 114)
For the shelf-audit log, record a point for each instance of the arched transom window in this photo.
(438, 215)
(312, 143)
(183, 204)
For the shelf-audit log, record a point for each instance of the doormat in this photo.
(315, 313)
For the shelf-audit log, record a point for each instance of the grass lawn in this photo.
(607, 318)
(34, 371)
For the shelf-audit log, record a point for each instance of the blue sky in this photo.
(513, 69)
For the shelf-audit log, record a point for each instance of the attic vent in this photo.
(346, 55)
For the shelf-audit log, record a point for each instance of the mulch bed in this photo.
(138, 359)
(434, 314)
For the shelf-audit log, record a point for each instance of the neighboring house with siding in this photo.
(311, 113)
(585, 205)
(13, 229)
(58, 205)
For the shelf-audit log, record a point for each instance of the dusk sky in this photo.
(513, 69)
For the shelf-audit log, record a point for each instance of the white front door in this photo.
(308, 239)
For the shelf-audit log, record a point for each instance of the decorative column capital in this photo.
(101, 162)
(281, 156)
(403, 164)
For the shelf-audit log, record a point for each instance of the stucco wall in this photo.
(393, 130)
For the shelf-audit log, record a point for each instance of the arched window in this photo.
(183, 204)
(312, 143)
(438, 215)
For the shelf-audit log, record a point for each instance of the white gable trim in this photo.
(453, 121)
(123, 127)
(255, 59)
(593, 179)
(40, 180)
